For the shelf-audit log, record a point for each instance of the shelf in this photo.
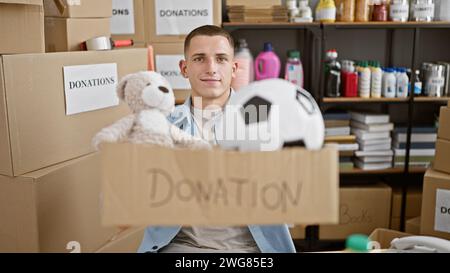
(397, 170)
(363, 100)
(432, 99)
(380, 25)
(274, 25)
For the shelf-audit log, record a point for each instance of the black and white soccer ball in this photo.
(269, 114)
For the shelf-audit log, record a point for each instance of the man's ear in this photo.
(234, 69)
(183, 68)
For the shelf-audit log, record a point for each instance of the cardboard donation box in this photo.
(21, 26)
(78, 8)
(51, 105)
(169, 21)
(127, 20)
(150, 185)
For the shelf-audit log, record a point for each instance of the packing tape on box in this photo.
(99, 43)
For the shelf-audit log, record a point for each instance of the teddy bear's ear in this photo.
(122, 85)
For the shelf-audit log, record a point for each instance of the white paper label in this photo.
(179, 17)
(90, 87)
(399, 11)
(122, 21)
(167, 65)
(442, 214)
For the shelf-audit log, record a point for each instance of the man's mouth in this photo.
(210, 80)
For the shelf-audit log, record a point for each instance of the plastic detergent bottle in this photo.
(332, 74)
(389, 83)
(402, 83)
(399, 10)
(245, 71)
(376, 80)
(349, 79)
(422, 10)
(442, 9)
(267, 64)
(364, 80)
(326, 11)
(417, 83)
(294, 68)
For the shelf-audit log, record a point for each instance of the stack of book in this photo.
(422, 149)
(373, 134)
(256, 11)
(337, 130)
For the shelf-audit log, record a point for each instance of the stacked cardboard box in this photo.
(435, 217)
(167, 23)
(70, 23)
(362, 209)
(413, 205)
(265, 11)
(21, 26)
(127, 21)
(49, 178)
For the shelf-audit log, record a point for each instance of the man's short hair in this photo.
(207, 30)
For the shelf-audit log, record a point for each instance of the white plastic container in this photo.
(402, 84)
(399, 10)
(376, 80)
(442, 10)
(245, 73)
(389, 83)
(364, 80)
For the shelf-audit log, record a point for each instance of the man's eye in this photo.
(221, 60)
(198, 59)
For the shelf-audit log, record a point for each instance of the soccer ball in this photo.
(269, 114)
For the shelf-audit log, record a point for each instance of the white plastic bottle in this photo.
(364, 80)
(245, 73)
(389, 83)
(294, 68)
(376, 79)
(402, 84)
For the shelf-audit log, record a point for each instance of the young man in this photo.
(209, 66)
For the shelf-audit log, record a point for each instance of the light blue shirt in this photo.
(269, 238)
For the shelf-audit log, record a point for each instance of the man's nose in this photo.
(211, 66)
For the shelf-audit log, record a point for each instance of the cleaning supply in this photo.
(245, 71)
(376, 80)
(417, 83)
(345, 10)
(294, 68)
(349, 79)
(292, 8)
(380, 12)
(364, 80)
(442, 9)
(362, 11)
(402, 83)
(389, 83)
(326, 11)
(422, 10)
(332, 74)
(267, 64)
(304, 12)
(399, 11)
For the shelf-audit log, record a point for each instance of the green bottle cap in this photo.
(294, 54)
(357, 242)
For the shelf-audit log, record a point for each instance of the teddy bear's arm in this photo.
(183, 139)
(115, 132)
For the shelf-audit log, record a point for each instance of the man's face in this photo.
(209, 66)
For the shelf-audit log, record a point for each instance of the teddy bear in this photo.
(150, 98)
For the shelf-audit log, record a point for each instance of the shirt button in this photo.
(155, 247)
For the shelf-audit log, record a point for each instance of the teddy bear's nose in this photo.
(163, 89)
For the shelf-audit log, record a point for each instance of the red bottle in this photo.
(349, 84)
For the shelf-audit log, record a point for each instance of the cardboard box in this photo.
(178, 18)
(413, 205)
(126, 242)
(412, 226)
(21, 26)
(127, 21)
(362, 209)
(66, 34)
(167, 57)
(385, 236)
(35, 131)
(44, 210)
(444, 123)
(435, 218)
(442, 159)
(78, 9)
(162, 186)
